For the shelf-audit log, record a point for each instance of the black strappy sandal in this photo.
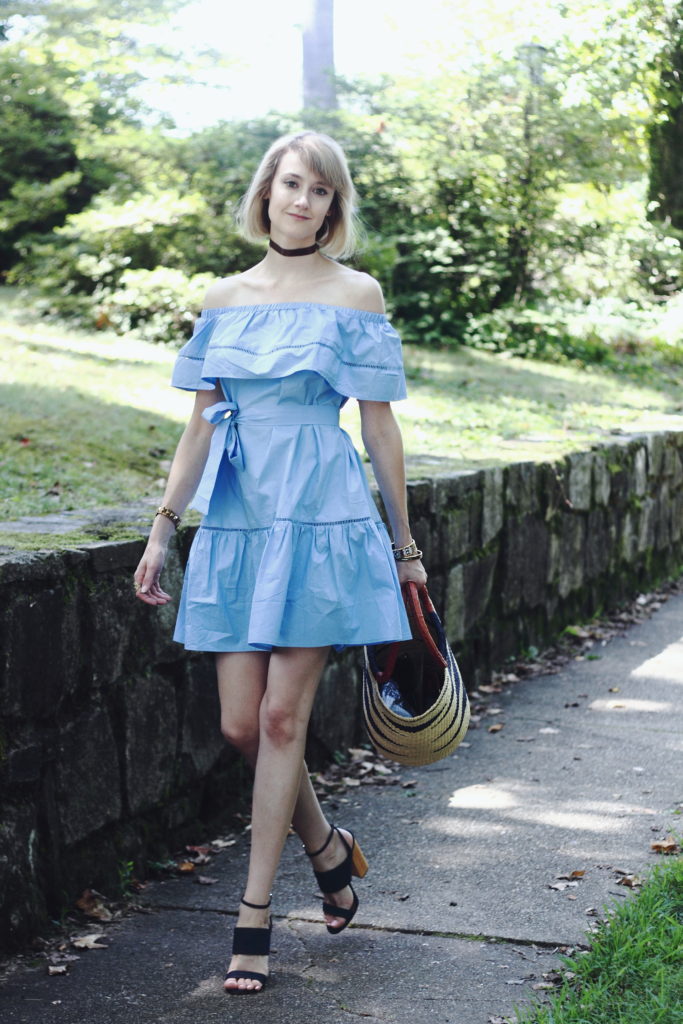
(250, 942)
(338, 878)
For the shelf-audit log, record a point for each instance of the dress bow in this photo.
(225, 439)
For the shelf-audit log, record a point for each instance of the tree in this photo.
(318, 63)
(41, 179)
(73, 122)
(666, 132)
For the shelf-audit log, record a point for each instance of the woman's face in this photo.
(298, 201)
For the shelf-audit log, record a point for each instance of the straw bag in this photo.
(414, 701)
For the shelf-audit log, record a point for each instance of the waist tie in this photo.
(226, 439)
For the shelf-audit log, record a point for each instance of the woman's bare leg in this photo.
(242, 678)
(285, 708)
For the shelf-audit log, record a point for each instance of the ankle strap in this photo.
(257, 906)
(333, 829)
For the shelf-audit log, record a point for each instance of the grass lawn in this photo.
(89, 419)
(633, 972)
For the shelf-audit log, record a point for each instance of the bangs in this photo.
(321, 161)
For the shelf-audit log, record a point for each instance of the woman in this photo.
(291, 557)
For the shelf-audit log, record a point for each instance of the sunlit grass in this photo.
(90, 419)
(633, 973)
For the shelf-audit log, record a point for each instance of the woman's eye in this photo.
(290, 184)
(321, 191)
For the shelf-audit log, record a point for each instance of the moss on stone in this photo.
(22, 541)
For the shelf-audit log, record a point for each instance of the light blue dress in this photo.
(291, 551)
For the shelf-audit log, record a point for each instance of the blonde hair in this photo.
(339, 234)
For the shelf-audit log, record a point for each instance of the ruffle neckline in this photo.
(356, 351)
(212, 311)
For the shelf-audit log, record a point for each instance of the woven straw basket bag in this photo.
(422, 676)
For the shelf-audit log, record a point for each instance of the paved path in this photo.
(457, 922)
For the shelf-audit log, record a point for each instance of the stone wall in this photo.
(109, 737)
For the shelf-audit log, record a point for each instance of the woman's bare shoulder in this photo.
(359, 291)
(227, 291)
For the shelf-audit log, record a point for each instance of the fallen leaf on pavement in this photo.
(496, 728)
(668, 845)
(630, 881)
(88, 942)
(59, 969)
(185, 866)
(90, 903)
(201, 858)
(205, 880)
(573, 874)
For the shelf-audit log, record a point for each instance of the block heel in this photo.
(339, 877)
(359, 864)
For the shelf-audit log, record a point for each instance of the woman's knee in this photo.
(281, 724)
(241, 733)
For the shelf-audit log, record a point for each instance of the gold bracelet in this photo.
(169, 513)
(407, 553)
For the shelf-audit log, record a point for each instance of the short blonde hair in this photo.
(339, 234)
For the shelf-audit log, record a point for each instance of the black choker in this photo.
(293, 252)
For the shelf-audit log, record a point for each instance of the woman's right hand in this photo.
(146, 576)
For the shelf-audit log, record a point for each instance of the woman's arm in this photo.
(183, 479)
(383, 443)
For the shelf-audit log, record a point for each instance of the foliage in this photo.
(666, 131)
(498, 197)
(633, 970)
(158, 304)
(74, 122)
(40, 176)
(101, 266)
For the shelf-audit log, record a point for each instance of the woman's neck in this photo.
(288, 268)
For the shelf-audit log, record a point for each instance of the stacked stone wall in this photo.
(109, 732)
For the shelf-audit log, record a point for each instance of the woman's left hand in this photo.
(412, 571)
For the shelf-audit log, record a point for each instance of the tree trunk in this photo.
(318, 38)
(666, 134)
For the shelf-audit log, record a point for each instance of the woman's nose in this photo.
(301, 200)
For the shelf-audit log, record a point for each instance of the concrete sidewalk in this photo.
(457, 921)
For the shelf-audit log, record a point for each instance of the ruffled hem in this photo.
(357, 352)
(291, 585)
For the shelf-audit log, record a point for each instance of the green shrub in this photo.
(157, 305)
(524, 331)
(107, 261)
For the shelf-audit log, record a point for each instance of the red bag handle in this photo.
(414, 597)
